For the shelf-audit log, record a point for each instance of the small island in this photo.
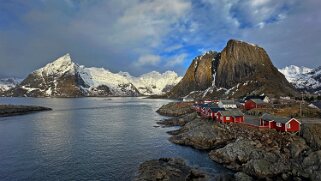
(14, 110)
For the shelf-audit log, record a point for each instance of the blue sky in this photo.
(139, 36)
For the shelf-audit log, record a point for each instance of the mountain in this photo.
(303, 78)
(240, 69)
(199, 75)
(8, 83)
(64, 78)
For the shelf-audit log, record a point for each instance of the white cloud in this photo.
(148, 60)
(176, 60)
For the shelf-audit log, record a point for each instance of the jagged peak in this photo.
(234, 41)
(59, 66)
(65, 59)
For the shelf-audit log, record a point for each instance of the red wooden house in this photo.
(212, 112)
(281, 123)
(254, 103)
(230, 116)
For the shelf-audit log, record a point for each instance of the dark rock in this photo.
(175, 109)
(312, 134)
(241, 176)
(180, 121)
(13, 110)
(312, 165)
(170, 169)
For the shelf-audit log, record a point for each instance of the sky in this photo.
(139, 36)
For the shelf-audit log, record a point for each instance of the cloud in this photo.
(176, 60)
(148, 60)
(116, 34)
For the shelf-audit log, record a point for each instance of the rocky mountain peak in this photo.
(240, 69)
(59, 66)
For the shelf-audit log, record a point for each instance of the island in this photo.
(13, 110)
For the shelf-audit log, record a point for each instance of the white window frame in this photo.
(227, 118)
(278, 124)
(288, 126)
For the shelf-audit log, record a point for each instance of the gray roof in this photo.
(228, 101)
(269, 117)
(232, 112)
(317, 104)
(258, 101)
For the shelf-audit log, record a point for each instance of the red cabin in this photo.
(254, 103)
(212, 112)
(230, 116)
(280, 123)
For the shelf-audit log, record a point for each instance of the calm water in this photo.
(87, 139)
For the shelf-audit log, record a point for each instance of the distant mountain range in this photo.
(240, 69)
(8, 83)
(303, 78)
(64, 78)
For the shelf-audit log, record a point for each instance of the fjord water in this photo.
(87, 139)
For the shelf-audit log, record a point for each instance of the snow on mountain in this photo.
(64, 78)
(59, 67)
(8, 83)
(154, 82)
(303, 78)
(292, 72)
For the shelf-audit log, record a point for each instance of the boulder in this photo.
(169, 169)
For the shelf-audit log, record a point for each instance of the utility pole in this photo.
(301, 104)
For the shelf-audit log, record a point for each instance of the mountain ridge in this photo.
(303, 78)
(64, 78)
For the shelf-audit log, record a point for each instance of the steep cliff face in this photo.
(240, 69)
(199, 75)
(243, 62)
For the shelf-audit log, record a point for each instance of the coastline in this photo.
(251, 153)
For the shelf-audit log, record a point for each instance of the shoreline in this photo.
(251, 153)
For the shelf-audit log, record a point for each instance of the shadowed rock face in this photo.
(245, 67)
(197, 77)
(241, 62)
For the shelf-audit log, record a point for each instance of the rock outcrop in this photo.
(312, 134)
(170, 169)
(240, 69)
(198, 77)
(175, 109)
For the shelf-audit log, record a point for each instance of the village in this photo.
(245, 111)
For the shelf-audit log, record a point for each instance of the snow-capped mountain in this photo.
(303, 78)
(64, 78)
(8, 83)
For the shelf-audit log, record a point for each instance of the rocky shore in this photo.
(13, 110)
(253, 154)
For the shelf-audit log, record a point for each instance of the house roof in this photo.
(227, 101)
(216, 109)
(317, 104)
(208, 105)
(254, 97)
(269, 117)
(258, 101)
(232, 112)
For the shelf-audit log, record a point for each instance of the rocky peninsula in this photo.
(252, 153)
(13, 110)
